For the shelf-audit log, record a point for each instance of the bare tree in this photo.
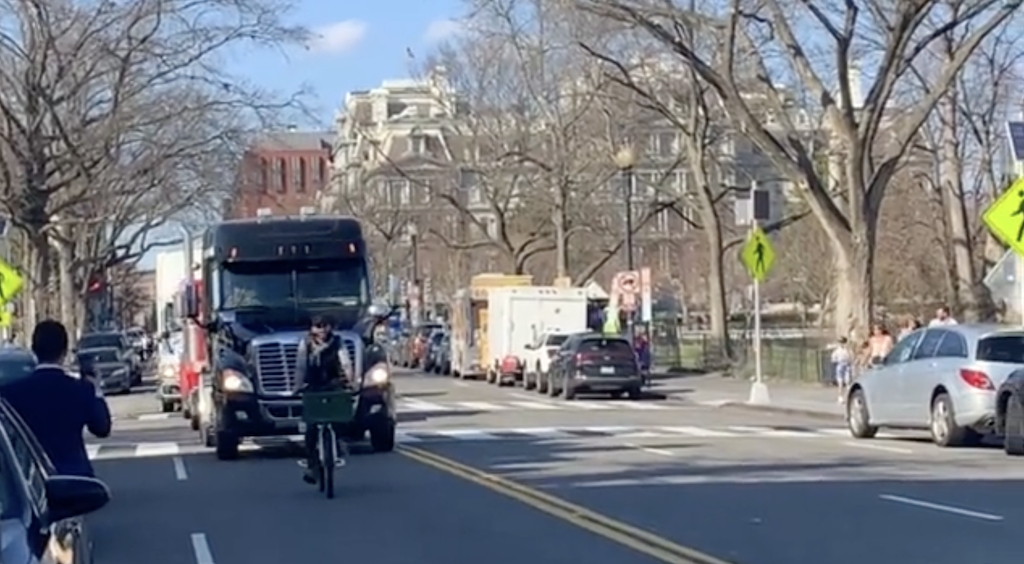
(118, 116)
(761, 50)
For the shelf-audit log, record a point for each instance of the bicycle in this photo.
(325, 410)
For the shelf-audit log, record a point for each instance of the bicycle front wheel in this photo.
(327, 463)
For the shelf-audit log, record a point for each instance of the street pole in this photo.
(627, 190)
(416, 314)
(759, 390)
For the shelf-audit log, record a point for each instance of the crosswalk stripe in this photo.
(481, 405)
(403, 437)
(697, 432)
(634, 405)
(92, 451)
(463, 434)
(588, 405)
(543, 432)
(534, 405)
(770, 432)
(407, 404)
(156, 449)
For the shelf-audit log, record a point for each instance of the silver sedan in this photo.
(942, 379)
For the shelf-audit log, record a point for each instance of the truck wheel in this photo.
(167, 406)
(382, 437)
(193, 422)
(227, 445)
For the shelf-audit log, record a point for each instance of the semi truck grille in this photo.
(276, 365)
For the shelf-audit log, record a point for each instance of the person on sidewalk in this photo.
(642, 347)
(842, 366)
(879, 344)
(909, 325)
(58, 407)
(942, 318)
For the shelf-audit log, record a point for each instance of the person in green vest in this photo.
(611, 319)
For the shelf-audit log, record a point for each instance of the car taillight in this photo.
(581, 357)
(976, 379)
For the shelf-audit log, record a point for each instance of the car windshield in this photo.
(283, 284)
(1003, 348)
(100, 341)
(606, 346)
(15, 368)
(555, 340)
(98, 356)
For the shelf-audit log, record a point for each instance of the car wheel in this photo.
(206, 437)
(568, 393)
(634, 394)
(382, 437)
(227, 445)
(944, 430)
(1013, 434)
(858, 419)
(542, 382)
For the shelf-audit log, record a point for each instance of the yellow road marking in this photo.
(617, 531)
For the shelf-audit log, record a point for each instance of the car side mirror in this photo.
(73, 496)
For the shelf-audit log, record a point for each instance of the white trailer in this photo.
(519, 315)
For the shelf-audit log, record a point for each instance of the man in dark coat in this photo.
(56, 406)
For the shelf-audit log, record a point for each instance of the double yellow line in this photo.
(617, 531)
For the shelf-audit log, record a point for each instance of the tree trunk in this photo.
(854, 295)
(561, 238)
(67, 286)
(717, 309)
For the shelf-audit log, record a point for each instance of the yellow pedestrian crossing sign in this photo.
(6, 318)
(758, 255)
(1005, 217)
(11, 283)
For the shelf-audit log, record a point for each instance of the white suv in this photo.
(538, 356)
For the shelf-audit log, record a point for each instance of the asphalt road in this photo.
(503, 475)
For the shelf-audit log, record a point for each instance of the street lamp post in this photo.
(414, 234)
(625, 160)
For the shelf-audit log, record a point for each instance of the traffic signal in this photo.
(96, 285)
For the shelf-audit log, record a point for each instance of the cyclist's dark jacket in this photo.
(321, 365)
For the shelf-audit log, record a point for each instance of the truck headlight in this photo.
(168, 371)
(378, 373)
(235, 381)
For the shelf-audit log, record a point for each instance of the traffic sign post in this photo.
(758, 257)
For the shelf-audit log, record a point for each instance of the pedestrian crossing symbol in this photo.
(10, 283)
(758, 255)
(1005, 217)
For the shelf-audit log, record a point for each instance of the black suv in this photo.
(114, 340)
(592, 363)
(40, 512)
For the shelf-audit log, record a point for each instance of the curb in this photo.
(787, 410)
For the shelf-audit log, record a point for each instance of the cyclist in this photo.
(321, 366)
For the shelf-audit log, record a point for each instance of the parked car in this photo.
(416, 345)
(398, 347)
(430, 359)
(15, 363)
(943, 379)
(114, 340)
(593, 363)
(538, 358)
(40, 511)
(109, 366)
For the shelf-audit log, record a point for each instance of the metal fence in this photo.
(788, 353)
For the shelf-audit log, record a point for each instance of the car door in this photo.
(559, 363)
(881, 384)
(65, 540)
(919, 378)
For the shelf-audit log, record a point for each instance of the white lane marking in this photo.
(835, 432)
(939, 507)
(523, 396)
(407, 404)
(154, 416)
(92, 451)
(881, 448)
(157, 449)
(623, 404)
(650, 450)
(643, 435)
(458, 384)
(463, 434)
(697, 432)
(481, 405)
(405, 437)
(543, 432)
(201, 548)
(179, 469)
(593, 405)
(770, 432)
(534, 405)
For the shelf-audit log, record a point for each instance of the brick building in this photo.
(283, 171)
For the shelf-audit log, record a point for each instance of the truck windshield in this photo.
(340, 282)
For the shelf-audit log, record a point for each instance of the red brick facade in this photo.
(283, 172)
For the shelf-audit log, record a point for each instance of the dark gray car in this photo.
(109, 366)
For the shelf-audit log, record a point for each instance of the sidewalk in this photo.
(787, 397)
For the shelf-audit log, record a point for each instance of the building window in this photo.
(665, 258)
(418, 144)
(425, 190)
(662, 221)
(298, 177)
(321, 174)
(277, 175)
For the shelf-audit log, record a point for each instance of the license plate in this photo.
(302, 426)
(607, 370)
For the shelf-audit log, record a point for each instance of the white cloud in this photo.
(338, 37)
(440, 30)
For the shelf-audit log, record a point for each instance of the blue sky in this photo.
(357, 45)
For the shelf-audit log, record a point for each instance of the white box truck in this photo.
(518, 316)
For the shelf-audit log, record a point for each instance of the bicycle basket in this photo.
(327, 407)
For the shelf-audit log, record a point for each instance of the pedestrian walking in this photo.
(58, 407)
(879, 344)
(942, 317)
(842, 366)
